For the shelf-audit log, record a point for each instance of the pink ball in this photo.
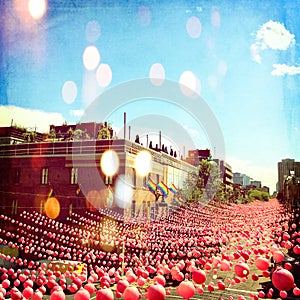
(156, 292)
(160, 279)
(186, 289)
(37, 295)
(262, 263)
(27, 292)
(241, 269)
(283, 279)
(278, 256)
(122, 285)
(131, 293)
(105, 294)
(82, 294)
(90, 288)
(58, 295)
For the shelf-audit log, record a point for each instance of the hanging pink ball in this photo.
(82, 294)
(160, 279)
(122, 285)
(283, 279)
(156, 292)
(105, 294)
(262, 263)
(186, 289)
(241, 269)
(131, 293)
(278, 256)
(27, 292)
(225, 265)
(37, 295)
(199, 276)
(58, 295)
(90, 288)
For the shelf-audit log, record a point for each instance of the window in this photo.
(74, 176)
(108, 179)
(44, 179)
(17, 176)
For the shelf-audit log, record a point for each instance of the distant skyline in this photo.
(241, 57)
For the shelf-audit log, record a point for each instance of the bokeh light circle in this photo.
(92, 31)
(143, 163)
(157, 74)
(69, 91)
(194, 27)
(123, 192)
(109, 163)
(189, 84)
(91, 58)
(37, 8)
(104, 75)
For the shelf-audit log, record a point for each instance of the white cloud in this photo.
(283, 69)
(271, 35)
(267, 175)
(29, 118)
(275, 36)
(77, 112)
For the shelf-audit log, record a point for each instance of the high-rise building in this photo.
(241, 179)
(287, 167)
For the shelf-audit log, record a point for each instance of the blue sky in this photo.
(241, 57)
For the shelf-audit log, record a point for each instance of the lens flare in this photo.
(123, 192)
(37, 8)
(109, 163)
(52, 208)
(143, 163)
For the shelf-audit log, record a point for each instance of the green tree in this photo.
(203, 184)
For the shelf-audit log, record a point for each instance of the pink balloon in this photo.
(160, 279)
(283, 279)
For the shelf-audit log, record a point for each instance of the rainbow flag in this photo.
(163, 188)
(151, 185)
(173, 188)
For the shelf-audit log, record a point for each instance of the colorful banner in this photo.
(163, 188)
(151, 185)
(173, 188)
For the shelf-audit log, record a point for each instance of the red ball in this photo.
(283, 279)
(156, 292)
(199, 276)
(278, 256)
(262, 263)
(241, 269)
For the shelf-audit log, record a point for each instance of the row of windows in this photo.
(45, 176)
